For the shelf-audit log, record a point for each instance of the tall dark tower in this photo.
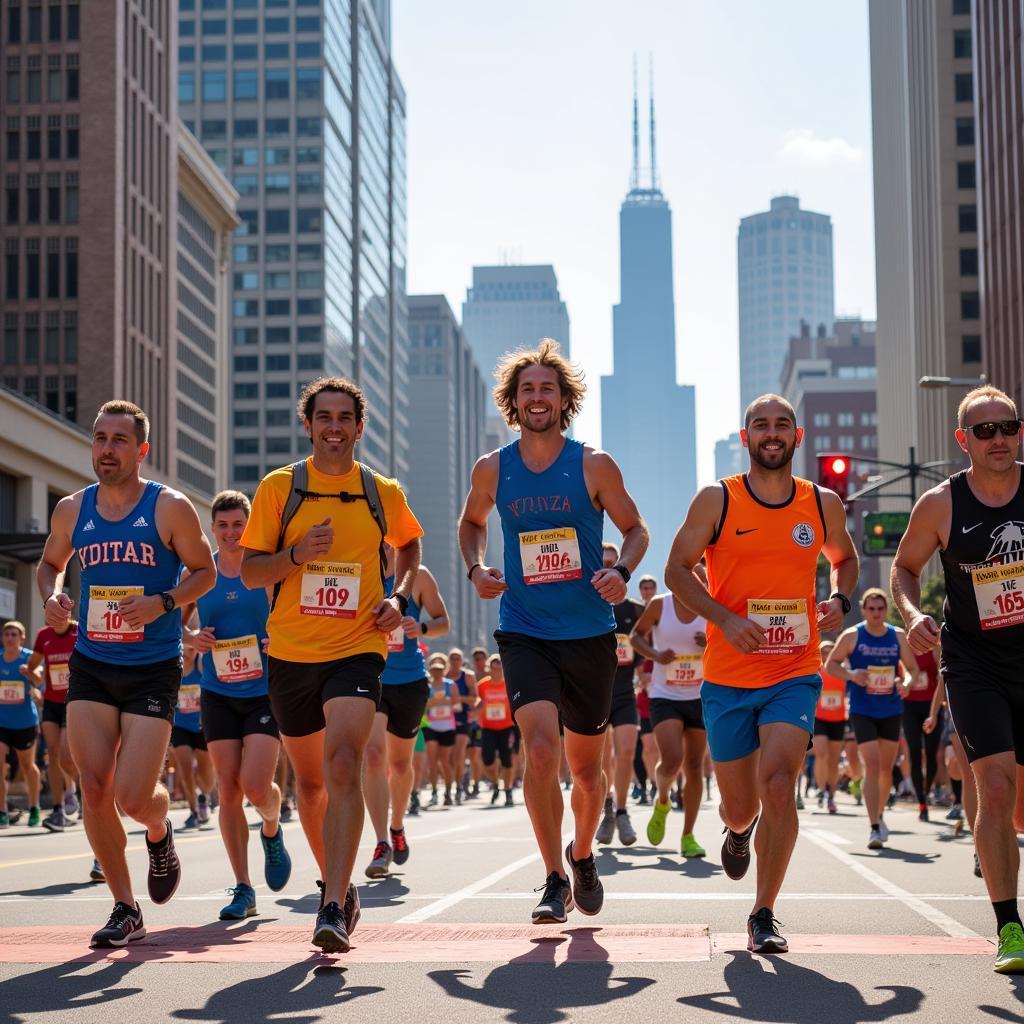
(648, 421)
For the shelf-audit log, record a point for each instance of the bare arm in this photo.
(638, 637)
(938, 699)
(268, 568)
(407, 564)
(910, 666)
(57, 553)
(428, 597)
(472, 530)
(32, 669)
(834, 664)
(841, 553)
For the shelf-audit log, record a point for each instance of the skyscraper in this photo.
(302, 103)
(648, 421)
(785, 276)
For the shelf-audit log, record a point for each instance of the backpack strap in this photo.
(369, 479)
(296, 495)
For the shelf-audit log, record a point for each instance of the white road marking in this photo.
(832, 837)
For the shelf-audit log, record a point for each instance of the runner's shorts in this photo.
(234, 718)
(689, 712)
(404, 704)
(147, 690)
(56, 713)
(498, 742)
(182, 737)
(835, 731)
(866, 728)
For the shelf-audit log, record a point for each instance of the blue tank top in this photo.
(462, 712)
(128, 553)
(880, 655)
(17, 708)
(407, 665)
(235, 612)
(189, 720)
(539, 513)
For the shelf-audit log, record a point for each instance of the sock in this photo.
(874, 824)
(608, 805)
(620, 810)
(958, 789)
(1006, 913)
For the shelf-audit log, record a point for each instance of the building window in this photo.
(307, 50)
(309, 307)
(279, 335)
(276, 81)
(308, 219)
(310, 361)
(13, 145)
(278, 222)
(53, 80)
(276, 51)
(246, 418)
(245, 51)
(245, 336)
(71, 269)
(52, 282)
(970, 306)
(32, 144)
(278, 307)
(214, 26)
(71, 203)
(53, 204)
(246, 85)
(53, 144)
(217, 52)
(246, 389)
(246, 364)
(32, 279)
(247, 474)
(968, 262)
(13, 195)
(307, 83)
(186, 86)
(11, 275)
(965, 131)
(246, 184)
(277, 417)
(73, 20)
(278, 389)
(214, 129)
(35, 24)
(844, 419)
(963, 89)
(277, 183)
(250, 222)
(275, 26)
(961, 7)
(71, 143)
(969, 219)
(276, 126)
(34, 86)
(214, 86)
(279, 362)
(51, 351)
(962, 44)
(246, 26)
(965, 174)
(13, 23)
(32, 203)
(71, 75)
(247, 446)
(869, 419)
(970, 348)
(278, 279)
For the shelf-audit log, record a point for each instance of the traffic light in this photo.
(883, 532)
(834, 473)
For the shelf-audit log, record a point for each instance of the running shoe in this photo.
(587, 890)
(277, 864)
(955, 813)
(495, 793)
(832, 809)
(606, 829)
(378, 867)
(34, 817)
(891, 802)
(164, 867)
(399, 846)
(636, 791)
(821, 798)
(286, 810)
(414, 804)
(71, 805)
(883, 829)
(5, 819)
(736, 852)
(508, 798)
(1010, 955)
(643, 801)
(447, 798)
(202, 809)
(799, 801)
(763, 933)
(922, 812)
(656, 826)
(242, 905)
(123, 926)
(475, 791)
(330, 933)
(352, 910)
(432, 802)
(191, 822)
(555, 903)
(14, 814)
(875, 840)
(96, 872)
(689, 847)
(627, 834)
(54, 821)
(857, 791)
(977, 865)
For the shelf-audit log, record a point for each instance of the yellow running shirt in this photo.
(324, 610)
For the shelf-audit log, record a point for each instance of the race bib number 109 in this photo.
(330, 589)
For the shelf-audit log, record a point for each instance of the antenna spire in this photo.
(634, 178)
(654, 157)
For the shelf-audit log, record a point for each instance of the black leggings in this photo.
(914, 714)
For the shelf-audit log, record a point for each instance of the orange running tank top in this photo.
(832, 702)
(761, 565)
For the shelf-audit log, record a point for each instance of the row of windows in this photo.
(45, 347)
(277, 184)
(268, 418)
(56, 211)
(249, 280)
(306, 334)
(34, 144)
(272, 445)
(845, 442)
(277, 84)
(845, 419)
(30, 30)
(279, 222)
(249, 128)
(278, 362)
(276, 253)
(51, 395)
(60, 85)
(220, 5)
(34, 265)
(275, 156)
(272, 26)
(249, 51)
(277, 307)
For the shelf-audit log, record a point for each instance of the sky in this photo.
(519, 138)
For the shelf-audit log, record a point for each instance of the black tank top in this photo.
(984, 608)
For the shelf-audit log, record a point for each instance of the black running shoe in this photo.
(587, 890)
(164, 867)
(763, 933)
(352, 911)
(124, 926)
(556, 901)
(330, 933)
(399, 846)
(736, 852)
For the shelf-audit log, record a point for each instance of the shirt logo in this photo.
(967, 529)
(740, 533)
(141, 521)
(803, 534)
(89, 526)
(231, 595)
(265, 719)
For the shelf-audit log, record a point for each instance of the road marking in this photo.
(832, 837)
(88, 854)
(443, 832)
(941, 921)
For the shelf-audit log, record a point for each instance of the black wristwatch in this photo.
(403, 602)
(623, 572)
(168, 601)
(843, 600)
(423, 628)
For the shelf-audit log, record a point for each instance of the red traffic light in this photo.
(834, 473)
(839, 465)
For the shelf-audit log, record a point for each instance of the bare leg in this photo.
(33, 777)
(585, 762)
(694, 744)
(306, 754)
(54, 735)
(539, 724)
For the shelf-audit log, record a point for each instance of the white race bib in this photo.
(396, 640)
(188, 699)
(549, 556)
(237, 659)
(12, 693)
(685, 670)
(330, 589)
(440, 713)
(785, 623)
(58, 674)
(832, 701)
(999, 591)
(881, 679)
(494, 711)
(623, 649)
(105, 622)
(920, 682)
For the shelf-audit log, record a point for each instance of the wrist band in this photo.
(423, 628)
(403, 602)
(291, 555)
(472, 568)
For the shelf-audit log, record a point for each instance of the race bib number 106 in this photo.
(785, 623)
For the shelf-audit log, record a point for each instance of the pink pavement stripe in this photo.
(867, 945)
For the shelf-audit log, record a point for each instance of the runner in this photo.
(50, 653)
(762, 532)
(975, 521)
(624, 720)
(676, 646)
(556, 634)
(829, 732)
(388, 775)
(498, 729)
(443, 698)
(868, 657)
(648, 587)
(19, 720)
(316, 534)
(188, 745)
(238, 723)
(466, 683)
(922, 746)
(132, 537)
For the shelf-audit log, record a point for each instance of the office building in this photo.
(730, 457)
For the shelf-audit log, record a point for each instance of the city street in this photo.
(900, 934)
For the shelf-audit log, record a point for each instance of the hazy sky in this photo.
(519, 151)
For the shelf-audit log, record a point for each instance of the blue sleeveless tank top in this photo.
(549, 518)
(118, 555)
(235, 612)
(462, 712)
(881, 653)
(17, 708)
(408, 664)
(189, 720)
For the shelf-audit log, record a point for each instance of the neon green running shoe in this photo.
(656, 826)
(33, 817)
(691, 848)
(855, 790)
(1010, 957)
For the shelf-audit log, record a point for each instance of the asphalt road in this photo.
(901, 934)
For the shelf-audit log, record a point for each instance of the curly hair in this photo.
(307, 399)
(548, 353)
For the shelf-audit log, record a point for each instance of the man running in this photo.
(498, 729)
(466, 683)
(975, 520)
(922, 744)
(830, 716)
(556, 634)
(19, 719)
(316, 535)
(192, 765)
(132, 538)
(238, 723)
(762, 531)
(868, 656)
(388, 775)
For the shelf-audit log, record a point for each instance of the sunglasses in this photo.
(986, 431)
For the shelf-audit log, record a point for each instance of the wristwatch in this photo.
(843, 600)
(623, 572)
(423, 628)
(403, 602)
(168, 601)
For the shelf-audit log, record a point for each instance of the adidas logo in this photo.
(89, 526)
(803, 718)
(141, 521)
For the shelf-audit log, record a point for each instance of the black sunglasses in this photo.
(986, 431)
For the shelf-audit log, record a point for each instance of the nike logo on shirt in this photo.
(967, 529)
(739, 532)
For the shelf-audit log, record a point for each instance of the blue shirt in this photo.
(189, 720)
(881, 653)
(554, 599)
(23, 714)
(407, 665)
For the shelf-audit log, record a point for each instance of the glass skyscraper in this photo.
(298, 101)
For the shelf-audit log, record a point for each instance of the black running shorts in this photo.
(987, 713)
(498, 742)
(404, 704)
(181, 737)
(866, 728)
(689, 712)
(18, 739)
(444, 737)
(234, 718)
(56, 713)
(835, 731)
(147, 690)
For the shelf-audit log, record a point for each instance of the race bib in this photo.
(396, 640)
(105, 622)
(999, 591)
(330, 589)
(623, 649)
(12, 693)
(881, 679)
(238, 659)
(920, 682)
(188, 699)
(832, 701)
(58, 674)
(685, 670)
(440, 713)
(549, 556)
(785, 623)
(494, 711)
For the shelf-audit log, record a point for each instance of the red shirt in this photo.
(56, 649)
(643, 704)
(926, 663)
(496, 711)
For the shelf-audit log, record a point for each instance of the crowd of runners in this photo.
(303, 661)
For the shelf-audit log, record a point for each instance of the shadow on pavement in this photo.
(388, 892)
(798, 995)
(63, 986)
(58, 889)
(890, 853)
(534, 989)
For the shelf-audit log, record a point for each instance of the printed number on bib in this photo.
(881, 679)
(494, 711)
(920, 682)
(623, 649)
(686, 670)
(440, 713)
(188, 699)
(785, 623)
(330, 589)
(12, 693)
(396, 640)
(832, 701)
(549, 556)
(999, 591)
(106, 623)
(58, 675)
(237, 659)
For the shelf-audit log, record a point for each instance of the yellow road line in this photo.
(89, 854)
